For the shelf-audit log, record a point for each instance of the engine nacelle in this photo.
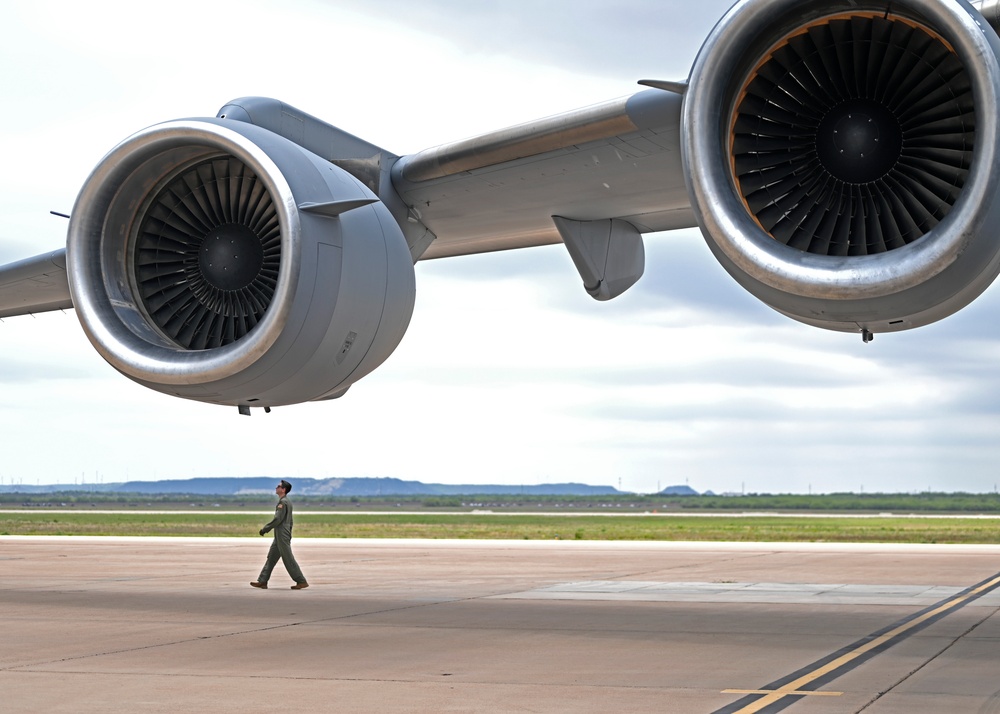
(842, 157)
(214, 260)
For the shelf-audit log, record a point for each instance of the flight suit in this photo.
(281, 546)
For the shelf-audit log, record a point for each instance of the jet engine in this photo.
(214, 260)
(842, 156)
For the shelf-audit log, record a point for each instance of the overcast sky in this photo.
(509, 372)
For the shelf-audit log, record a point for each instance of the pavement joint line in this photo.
(687, 566)
(243, 632)
(923, 664)
(438, 678)
(779, 695)
(251, 631)
(224, 634)
(144, 647)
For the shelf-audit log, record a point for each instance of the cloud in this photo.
(509, 371)
(597, 37)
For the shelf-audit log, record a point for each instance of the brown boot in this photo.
(256, 584)
(300, 586)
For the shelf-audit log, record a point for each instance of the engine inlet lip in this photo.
(97, 253)
(733, 233)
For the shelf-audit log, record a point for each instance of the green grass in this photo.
(913, 529)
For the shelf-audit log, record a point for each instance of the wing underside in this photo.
(36, 284)
(618, 160)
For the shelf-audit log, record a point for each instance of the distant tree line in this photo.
(873, 502)
(833, 503)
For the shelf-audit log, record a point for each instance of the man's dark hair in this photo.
(285, 485)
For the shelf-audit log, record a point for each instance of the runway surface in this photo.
(160, 624)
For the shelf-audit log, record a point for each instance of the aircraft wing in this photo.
(35, 285)
(620, 159)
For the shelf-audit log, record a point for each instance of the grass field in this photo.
(910, 529)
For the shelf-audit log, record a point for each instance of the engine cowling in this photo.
(841, 157)
(214, 260)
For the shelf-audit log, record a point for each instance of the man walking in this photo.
(281, 546)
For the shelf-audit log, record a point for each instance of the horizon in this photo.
(107, 487)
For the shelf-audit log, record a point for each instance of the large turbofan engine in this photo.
(842, 157)
(217, 261)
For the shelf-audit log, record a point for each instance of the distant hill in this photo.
(344, 487)
(678, 491)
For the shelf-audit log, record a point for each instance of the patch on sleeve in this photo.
(281, 505)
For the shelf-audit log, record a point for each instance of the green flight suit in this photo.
(281, 546)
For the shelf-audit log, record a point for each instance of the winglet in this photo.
(675, 87)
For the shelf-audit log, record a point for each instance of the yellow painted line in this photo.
(772, 691)
(792, 688)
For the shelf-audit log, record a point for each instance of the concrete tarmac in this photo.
(167, 625)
